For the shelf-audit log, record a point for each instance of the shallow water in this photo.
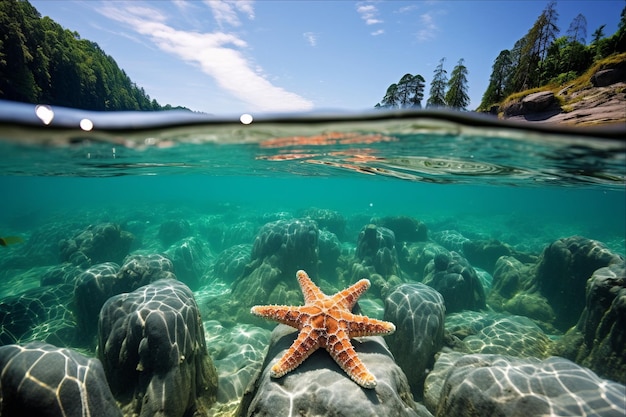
(526, 186)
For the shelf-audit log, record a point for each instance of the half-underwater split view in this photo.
(434, 247)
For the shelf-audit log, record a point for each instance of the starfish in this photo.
(328, 322)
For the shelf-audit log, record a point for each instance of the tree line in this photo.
(537, 59)
(541, 57)
(444, 92)
(41, 62)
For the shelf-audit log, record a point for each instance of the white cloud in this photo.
(428, 29)
(369, 13)
(217, 54)
(311, 38)
(227, 11)
(378, 32)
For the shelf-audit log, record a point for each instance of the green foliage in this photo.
(41, 62)
(498, 81)
(540, 59)
(407, 93)
(437, 97)
(456, 96)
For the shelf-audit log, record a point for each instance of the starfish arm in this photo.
(348, 297)
(310, 291)
(342, 351)
(359, 326)
(306, 343)
(288, 315)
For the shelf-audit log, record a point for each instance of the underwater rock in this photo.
(415, 256)
(172, 231)
(280, 249)
(405, 229)
(320, 387)
(41, 313)
(485, 253)
(152, 346)
(39, 379)
(141, 269)
(222, 232)
(450, 239)
(105, 242)
(230, 263)
(562, 272)
(498, 385)
(499, 334)
(329, 253)
(599, 339)
(60, 274)
(455, 279)
(190, 259)
(376, 252)
(511, 278)
(418, 311)
(328, 220)
(93, 287)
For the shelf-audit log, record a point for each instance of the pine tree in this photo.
(534, 48)
(418, 83)
(437, 97)
(457, 97)
(498, 81)
(577, 31)
(391, 99)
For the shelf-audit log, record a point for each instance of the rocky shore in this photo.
(602, 103)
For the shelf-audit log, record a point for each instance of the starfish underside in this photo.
(326, 322)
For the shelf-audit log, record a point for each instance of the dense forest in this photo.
(538, 59)
(41, 62)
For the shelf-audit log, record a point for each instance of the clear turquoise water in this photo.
(526, 187)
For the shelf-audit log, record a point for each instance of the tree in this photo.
(404, 90)
(418, 83)
(408, 92)
(534, 48)
(391, 99)
(437, 97)
(498, 81)
(40, 61)
(457, 97)
(577, 31)
(411, 90)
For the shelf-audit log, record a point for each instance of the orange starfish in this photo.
(326, 321)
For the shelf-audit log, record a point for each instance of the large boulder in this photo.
(231, 262)
(599, 339)
(104, 242)
(91, 290)
(377, 259)
(418, 311)
(496, 386)
(329, 220)
(606, 77)
(455, 279)
(153, 349)
(190, 258)
(562, 272)
(280, 249)
(172, 231)
(42, 380)
(488, 332)
(535, 106)
(141, 269)
(320, 387)
(405, 229)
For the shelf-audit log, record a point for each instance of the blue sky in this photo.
(232, 57)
